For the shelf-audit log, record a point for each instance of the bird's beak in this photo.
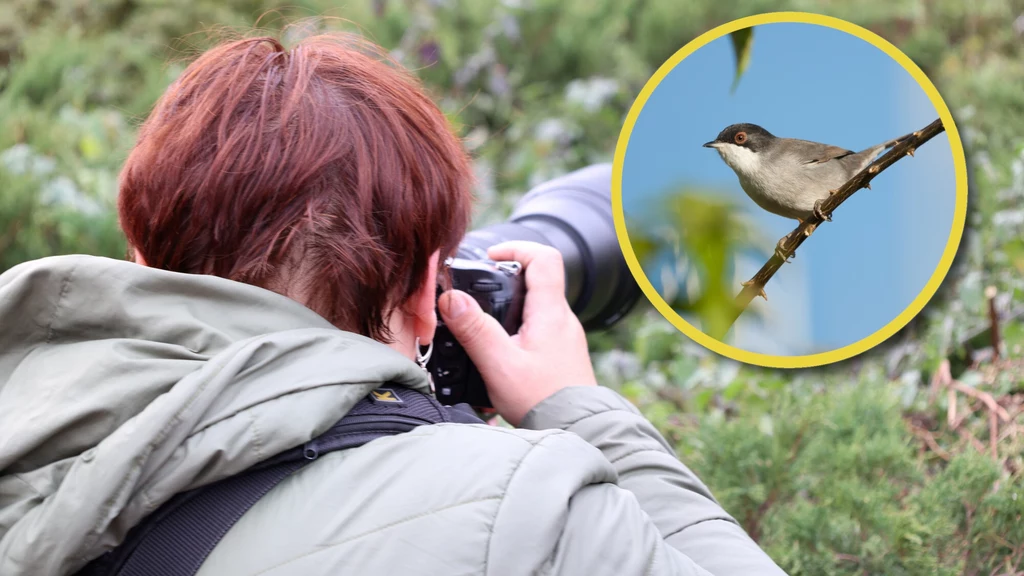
(712, 144)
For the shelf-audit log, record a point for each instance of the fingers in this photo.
(545, 273)
(483, 338)
(547, 354)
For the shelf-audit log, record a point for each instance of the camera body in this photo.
(573, 214)
(499, 289)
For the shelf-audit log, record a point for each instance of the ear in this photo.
(421, 306)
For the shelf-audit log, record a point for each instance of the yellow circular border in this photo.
(850, 350)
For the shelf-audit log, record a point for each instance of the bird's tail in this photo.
(874, 150)
(892, 143)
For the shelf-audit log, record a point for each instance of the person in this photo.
(288, 212)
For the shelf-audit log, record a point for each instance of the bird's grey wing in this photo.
(826, 153)
(815, 153)
(830, 153)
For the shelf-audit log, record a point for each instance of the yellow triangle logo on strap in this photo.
(385, 395)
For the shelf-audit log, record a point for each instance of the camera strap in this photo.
(176, 539)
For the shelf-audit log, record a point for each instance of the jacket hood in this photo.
(122, 385)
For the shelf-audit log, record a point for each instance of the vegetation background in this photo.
(905, 460)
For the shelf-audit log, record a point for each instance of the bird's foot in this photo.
(819, 214)
(760, 289)
(810, 230)
(780, 251)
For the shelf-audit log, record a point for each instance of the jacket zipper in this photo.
(311, 449)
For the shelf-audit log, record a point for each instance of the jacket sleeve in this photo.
(665, 499)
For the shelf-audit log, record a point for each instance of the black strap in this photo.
(177, 538)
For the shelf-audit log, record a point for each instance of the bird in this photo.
(787, 176)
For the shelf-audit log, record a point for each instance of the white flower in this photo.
(591, 93)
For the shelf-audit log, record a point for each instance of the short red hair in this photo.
(323, 171)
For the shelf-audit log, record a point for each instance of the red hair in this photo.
(323, 172)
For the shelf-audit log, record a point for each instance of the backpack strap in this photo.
(177, 538)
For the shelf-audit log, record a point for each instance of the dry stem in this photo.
(993, 319)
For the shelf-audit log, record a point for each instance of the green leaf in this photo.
(734, 389)
(742, 40)
(709, 234)
(703, 399)
(633, 391)
(90, 147)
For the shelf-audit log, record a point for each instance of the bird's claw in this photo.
(760, 289)
(819, 214)
(780, 251)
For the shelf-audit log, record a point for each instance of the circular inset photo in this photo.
(789, 190)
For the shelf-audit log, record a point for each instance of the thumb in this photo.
(478, 332)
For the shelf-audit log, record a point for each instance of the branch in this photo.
(789, 244)
(672, 395)
(973, 333)
(995, 411)
(984, 397)
(929, 440)
(993, 319)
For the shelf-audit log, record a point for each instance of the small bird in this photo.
(786, 176)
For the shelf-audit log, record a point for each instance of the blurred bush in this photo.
(878, 465)
(692, 237)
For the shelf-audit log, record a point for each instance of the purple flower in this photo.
(430, 53)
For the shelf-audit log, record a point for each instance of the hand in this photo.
(547, 354)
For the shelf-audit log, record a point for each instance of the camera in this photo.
(572, 214)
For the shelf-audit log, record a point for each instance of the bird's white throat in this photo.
(742, 160)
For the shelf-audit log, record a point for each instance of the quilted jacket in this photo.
(122, 385)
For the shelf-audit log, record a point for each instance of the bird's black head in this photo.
(750, 136)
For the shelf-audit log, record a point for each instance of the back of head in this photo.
(322, 172)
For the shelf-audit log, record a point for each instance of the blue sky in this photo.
(856, 273)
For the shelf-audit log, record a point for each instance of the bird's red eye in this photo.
(740, 137)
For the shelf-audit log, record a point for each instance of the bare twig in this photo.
(1010, 570)
(1010, 316)
(942, 379)
(674, 396)
(755, 286)
(993, 321)
(996, 412)
(966, 435)
(951, 408)
(984, 397)
(993, 434)
(929, 439)
(962, 415)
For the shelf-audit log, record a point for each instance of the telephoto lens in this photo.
(573, 214)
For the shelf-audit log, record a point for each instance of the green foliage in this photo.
(851, 469)
(695, 235)
(29, 228)
(832, 483)
(742, 46)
